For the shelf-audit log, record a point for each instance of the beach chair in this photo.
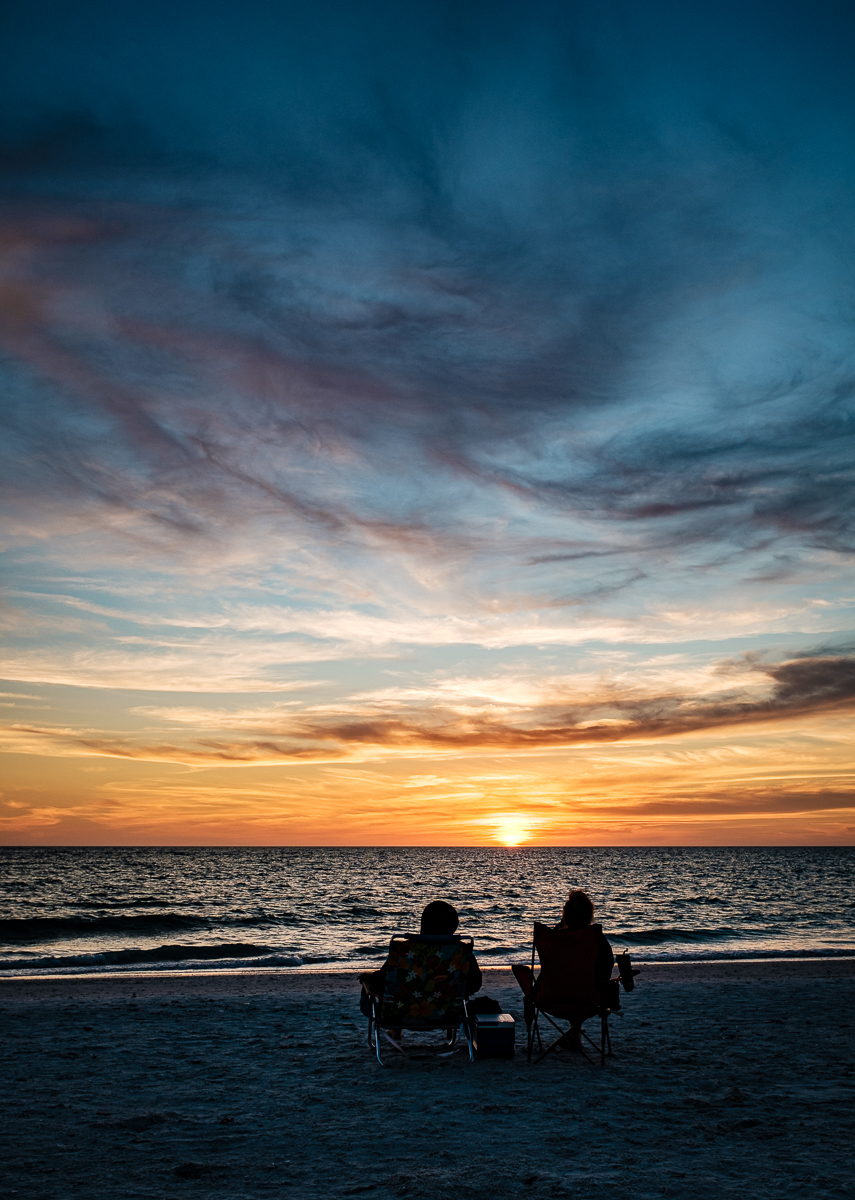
(425, 990)
(565, 989)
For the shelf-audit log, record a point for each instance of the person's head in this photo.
(439, 917)
(578, 910)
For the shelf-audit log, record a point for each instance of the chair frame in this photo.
(533, 1013)
(377, 1034)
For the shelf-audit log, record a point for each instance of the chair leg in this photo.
(466, 1028)
(377, 1045)
(601, 1049)
(375, 1022)
(532, 1030)
(552, 1045)
(528, 1017)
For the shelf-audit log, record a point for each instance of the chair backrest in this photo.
(426, 979)
(566, 986)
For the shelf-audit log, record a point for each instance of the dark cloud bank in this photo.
(592, 257)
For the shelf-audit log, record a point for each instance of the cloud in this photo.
(797, 688)
(311, 291)
(221, 637)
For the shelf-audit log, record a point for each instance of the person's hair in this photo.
(578, 910)
(439, 917)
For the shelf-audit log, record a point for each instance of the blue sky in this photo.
(398, 387)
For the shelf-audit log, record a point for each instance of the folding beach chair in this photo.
(425, 990)
(565, 988)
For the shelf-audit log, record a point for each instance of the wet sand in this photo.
(729, 1079)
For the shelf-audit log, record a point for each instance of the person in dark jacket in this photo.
(578, 913)
(437, 918)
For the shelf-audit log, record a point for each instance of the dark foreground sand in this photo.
(728, 1080)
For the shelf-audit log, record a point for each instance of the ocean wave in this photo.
(742, 954)
(652, 937)
(157, 954)
(94, 964)
(35, 929)
(494, 951)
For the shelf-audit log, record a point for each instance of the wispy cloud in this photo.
(800, 687)
(491, 321)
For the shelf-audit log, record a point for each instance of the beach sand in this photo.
(730, 1079)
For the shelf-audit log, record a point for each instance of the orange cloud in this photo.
(800, 687)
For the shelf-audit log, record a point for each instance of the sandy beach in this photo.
(729, 1079)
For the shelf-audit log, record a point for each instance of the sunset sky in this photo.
(427, 423)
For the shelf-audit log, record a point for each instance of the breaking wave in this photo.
(653, 937)
(157, 954)
(35, 929)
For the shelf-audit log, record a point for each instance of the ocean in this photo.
(96, 910)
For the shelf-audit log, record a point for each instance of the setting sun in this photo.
(511, 829)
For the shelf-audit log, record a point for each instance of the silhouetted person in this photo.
(578, 913)
(438, 918)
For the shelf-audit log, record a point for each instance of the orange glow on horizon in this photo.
(766, 786)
